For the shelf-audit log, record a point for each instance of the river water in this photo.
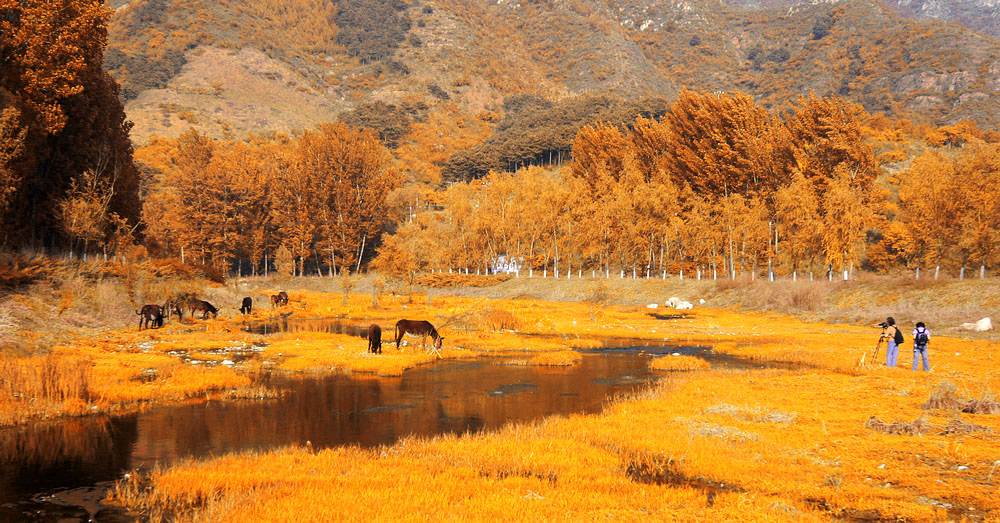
(60, 471)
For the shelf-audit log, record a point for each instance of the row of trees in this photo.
(720, 186)
(321, 195)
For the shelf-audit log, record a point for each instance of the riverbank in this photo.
(70, 349)
(825, 435)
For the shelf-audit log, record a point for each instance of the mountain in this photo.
(232, 69)
(978, 15)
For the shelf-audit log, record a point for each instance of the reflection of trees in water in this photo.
(450, 397)
(64, 453)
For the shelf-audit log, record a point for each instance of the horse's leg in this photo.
(399, 336)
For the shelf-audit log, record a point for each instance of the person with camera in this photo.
(893, 339)
(921, 337)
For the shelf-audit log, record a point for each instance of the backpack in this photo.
(921, 338)
(898, 337)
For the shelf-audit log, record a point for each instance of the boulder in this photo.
(673, 301)
(684, 305)
(702, 301)
(982, 325)
(652, 305)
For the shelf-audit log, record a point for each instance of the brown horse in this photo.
(282, 298)
(172, 307)
(247, 306)
(374, 339)
(150, 314)
(205, 308)
(418, 328)
(275, 300)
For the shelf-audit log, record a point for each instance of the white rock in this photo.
(983, 325)
(673, 301)
(702, 301)
(963, 467)
(652, 306)
(684, 305)
(882, 466)
(227, 362)
(675, 354)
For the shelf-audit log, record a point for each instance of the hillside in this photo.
(978, 15)
(226, 68)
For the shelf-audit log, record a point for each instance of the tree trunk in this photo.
(982, 271)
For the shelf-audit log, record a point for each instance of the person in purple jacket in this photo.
(921, 337)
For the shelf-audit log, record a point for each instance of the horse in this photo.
(150, 314)
(418, 328)
(374, 339)
(205, 308)
(247, 306)
(172, 307)
(275, 300)
(282, 298)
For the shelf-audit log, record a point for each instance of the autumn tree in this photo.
(52, 75)
(799, 223)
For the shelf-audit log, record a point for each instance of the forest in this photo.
(706, 184)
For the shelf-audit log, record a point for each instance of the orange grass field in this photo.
(796, 442)
(817, 434)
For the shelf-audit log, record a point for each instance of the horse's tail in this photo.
(137, 313)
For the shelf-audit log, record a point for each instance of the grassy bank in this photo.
(69, 344)
(820, 434)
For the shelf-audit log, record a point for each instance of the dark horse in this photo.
(205, 308)
(150, 314)
(374, 339)
(418, 328)
(277, 300)
(172, 307)
(247, 306)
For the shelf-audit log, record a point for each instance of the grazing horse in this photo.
(205, 308)
(418, 328)
(275, 300)
(282, 298)
(172, 307)
(150, 314)
(374, 339)
(247, 306)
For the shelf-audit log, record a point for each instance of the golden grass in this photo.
(804, 441)
(680, 362)
(795, 442)
(441, 280)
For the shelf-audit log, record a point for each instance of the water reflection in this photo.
(448, 397)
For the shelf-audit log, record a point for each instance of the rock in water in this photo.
(652, 305)
(684, 305)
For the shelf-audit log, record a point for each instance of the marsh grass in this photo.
(679, 363)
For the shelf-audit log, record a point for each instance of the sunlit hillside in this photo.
(229, 68)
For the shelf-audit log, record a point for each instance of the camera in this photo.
(884, 325)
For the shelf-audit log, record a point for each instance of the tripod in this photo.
(877, 345)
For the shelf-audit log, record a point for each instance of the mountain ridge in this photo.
(232, 70)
